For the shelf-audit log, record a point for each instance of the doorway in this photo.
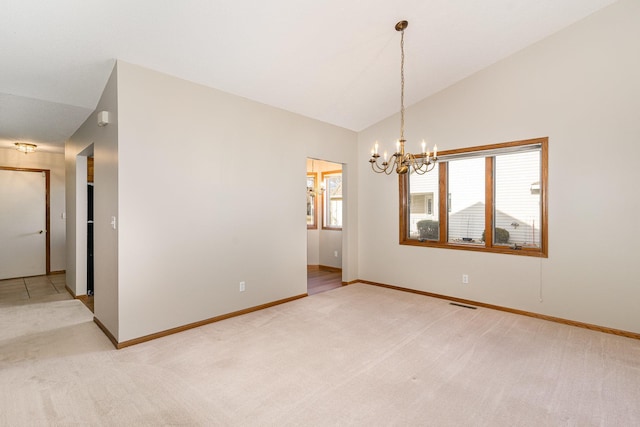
(84, 260)
(90, 226)
(325, 222)
(24, 222)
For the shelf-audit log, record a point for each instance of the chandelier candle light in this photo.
(401, 161)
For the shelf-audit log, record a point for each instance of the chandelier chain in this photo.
(402, 85)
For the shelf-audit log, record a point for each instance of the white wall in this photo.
(330, 248)
(580, 88)
(313, 246)
(197, 215)
(104, 141)
(55, 163)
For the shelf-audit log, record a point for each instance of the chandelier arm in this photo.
(428, 167)
(393, 162)
(413, 161)
(396, 164)
(377, 168)
(387, 168)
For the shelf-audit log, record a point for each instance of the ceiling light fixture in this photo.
(25, 148)
(401, 161)
(312, 190)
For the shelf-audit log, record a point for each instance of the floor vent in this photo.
(462, 305)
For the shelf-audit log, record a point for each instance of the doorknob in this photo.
(42, 231)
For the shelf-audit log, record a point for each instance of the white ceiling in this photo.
(333, 60)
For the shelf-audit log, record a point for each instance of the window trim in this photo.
(324, 198)
(488, 246)
(314, 225)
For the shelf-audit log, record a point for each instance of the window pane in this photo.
(423, 220)
(333, 201)
(517, 199)
(466, 200)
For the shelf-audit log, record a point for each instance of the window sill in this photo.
(478, 247)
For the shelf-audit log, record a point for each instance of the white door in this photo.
(22, 224)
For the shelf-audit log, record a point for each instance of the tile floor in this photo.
(36, 289)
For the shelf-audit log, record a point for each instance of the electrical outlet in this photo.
(465, 279)
(242, 286)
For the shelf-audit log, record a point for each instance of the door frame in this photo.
(320, 213)
(47, 173)
(79, 280)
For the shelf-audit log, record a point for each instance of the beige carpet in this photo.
(357, 355)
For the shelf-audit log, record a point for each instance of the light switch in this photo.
(113, 222)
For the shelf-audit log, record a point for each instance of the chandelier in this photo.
(401, 161)
(312, 188)
(25, 148)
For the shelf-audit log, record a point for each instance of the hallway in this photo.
(32, 290)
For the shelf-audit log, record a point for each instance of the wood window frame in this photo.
(324, 197)
(488, 246)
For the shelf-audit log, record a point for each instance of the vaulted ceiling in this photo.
(337, 61)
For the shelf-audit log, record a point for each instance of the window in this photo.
(501, 188)
(332, 200)
(312, 191)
